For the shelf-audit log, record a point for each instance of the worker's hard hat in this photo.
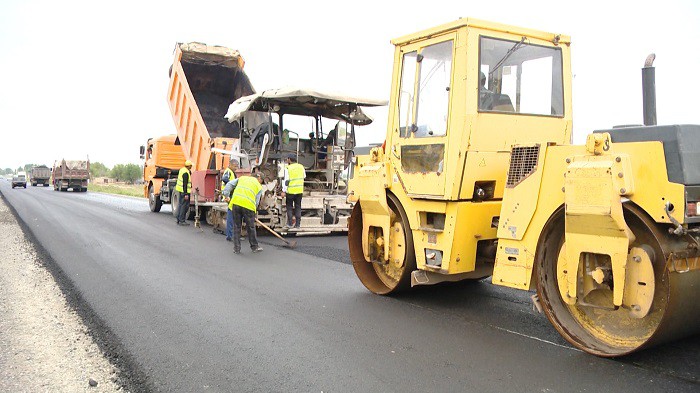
(188, 163)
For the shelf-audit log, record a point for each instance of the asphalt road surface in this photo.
(180, 312)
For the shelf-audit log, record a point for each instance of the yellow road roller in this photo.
(478, 177)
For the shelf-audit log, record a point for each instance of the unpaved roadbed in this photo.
(44, 346)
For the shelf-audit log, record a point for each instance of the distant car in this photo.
(19, 180)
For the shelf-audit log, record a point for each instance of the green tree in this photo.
(126, 172)
(8, 171)
(98, 169)
(117, 172)
(132, 172)
(28, 167)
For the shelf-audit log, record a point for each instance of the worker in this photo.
(183, 186)
(293, 189)
(486, 96)
(243, 203)
(229, 175)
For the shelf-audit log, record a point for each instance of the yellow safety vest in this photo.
(231, 176)
(296, 179)
(244, 193)
(178, 186)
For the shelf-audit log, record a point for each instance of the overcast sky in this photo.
(90, 78)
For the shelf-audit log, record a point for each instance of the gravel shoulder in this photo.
(44, 345)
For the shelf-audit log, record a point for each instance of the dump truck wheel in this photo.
(175, 202)
(609, 331)
(154, 202)
(384, 279)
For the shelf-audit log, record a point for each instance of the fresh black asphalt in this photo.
(179, 312)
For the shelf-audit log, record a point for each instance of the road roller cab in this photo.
(478, 177)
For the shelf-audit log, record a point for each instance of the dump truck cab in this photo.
(162, 161)
(478, 177)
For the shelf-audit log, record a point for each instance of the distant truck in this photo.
(40, 175)
(162, 161)
(19, 180)
(73, 174)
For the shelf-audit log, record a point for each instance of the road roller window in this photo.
(435, 62)
(422, 158)
(518, 77)
(407, 92)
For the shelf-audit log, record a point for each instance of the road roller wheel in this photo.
(596, 326)
(384, 279)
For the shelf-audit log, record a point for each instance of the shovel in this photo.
(287, 243)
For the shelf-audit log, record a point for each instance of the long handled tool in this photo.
(289, 244)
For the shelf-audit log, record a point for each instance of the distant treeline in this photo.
(129, 173)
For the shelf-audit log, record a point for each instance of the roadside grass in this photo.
(134, 190)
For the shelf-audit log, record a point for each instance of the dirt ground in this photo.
(44, 346)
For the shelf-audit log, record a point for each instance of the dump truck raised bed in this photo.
(478, 177)
(71, 174)
(204, 81)
(40, 175)
(266, 143)
(162, 161)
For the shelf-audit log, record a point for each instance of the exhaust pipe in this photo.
(649, 91)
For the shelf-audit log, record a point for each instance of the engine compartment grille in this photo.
(523, 162)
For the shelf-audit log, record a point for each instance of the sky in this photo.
(89, 78)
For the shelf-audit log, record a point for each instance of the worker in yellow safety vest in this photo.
(228, 175)
(183, 188)
(293, 189)
(243, 203)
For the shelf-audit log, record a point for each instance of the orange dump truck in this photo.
(204, 81)
(162, 161)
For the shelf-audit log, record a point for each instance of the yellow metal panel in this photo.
(466, 223)
(370, 183)
(644, 172)
(519, 205)
(484, 166)
(594, 220)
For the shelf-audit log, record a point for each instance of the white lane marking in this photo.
(536, 338)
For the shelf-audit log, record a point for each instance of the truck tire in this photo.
(154, 202)
(175, 202)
